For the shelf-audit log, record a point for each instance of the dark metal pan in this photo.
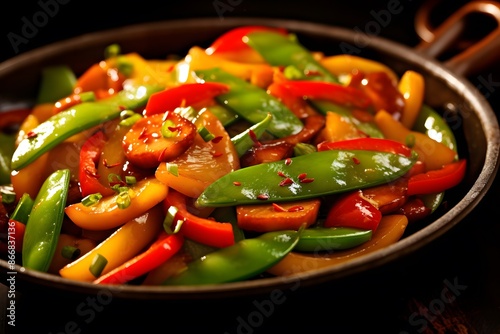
(447, 90)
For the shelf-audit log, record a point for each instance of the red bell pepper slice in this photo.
(87, 171)
(183, 96)
(202, 230)
(353, 210)
(166, 246)
(336, 93)
(370, 144)
(436, 181)
(232, 40)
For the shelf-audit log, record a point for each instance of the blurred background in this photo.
(405, 296)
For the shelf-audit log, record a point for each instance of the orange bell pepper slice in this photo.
(106, 214)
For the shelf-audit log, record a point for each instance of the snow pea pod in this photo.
(433, 125)
(45, 221)
(245, 259)
(7, 142)
(245, 140)
(253, 103)
(331, 238)
(307, 176)
(281, 50)
(71, 121)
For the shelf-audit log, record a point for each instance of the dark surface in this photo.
(449, 286)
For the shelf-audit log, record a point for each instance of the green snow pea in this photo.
(245, 259)
(433, 125)
(317, 239)
(245, 140)
(80, 117)
(23, 209)
(7, 144)
(370, 128)
(253, 103)
(45, 221)
(280, 50)
(310, 175)
(57, 82)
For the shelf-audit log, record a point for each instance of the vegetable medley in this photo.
(254, 157)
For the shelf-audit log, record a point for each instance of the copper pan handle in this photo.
(474, 58)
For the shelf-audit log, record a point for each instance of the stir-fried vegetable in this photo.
(253, 157)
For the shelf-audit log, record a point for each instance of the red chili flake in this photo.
(288, 161)
(302, 176)
(237, 183)
(356, 160)
(175, 128)
(217, 154)
(170, 69)
(278, 208)
(31, 134)
(143, 133)
(296, 208)
(162, 154)
(307, 180)
(254, 138)
(263, 197)
(91, 173)
(122, 108)
(107, 165)
(286, 182)
(217, 139)
(310, 73)
(280, 173)
(165, 116)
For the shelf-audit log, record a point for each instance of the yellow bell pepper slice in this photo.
(119, 247)
(338, 128)
(256, 73)
(348, 64)
(389, 231)
(106, 214)
(411, 86)
(434, 154)
(144, 71)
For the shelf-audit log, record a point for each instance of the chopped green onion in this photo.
(123, 199)
(8, 197)
(169, 220)
(112, 50)
(91, 199)
(291, 72)
(97, 265)
(70, 252)
(410, 140)
(303, 149)
(125, 66)
(173, 169)
(130, 179)
(87, 96)
(187, 112)
(130, 120)
(205, 134)
(165, 129)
